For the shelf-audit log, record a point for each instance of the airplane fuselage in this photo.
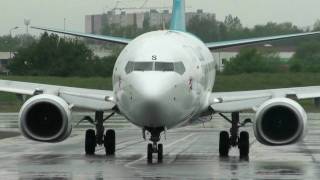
(163, 79)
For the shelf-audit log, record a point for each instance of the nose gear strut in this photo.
(97, 137)
(242, 141)
(154, 147)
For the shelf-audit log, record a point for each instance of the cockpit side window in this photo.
(129, 67)
(179, 68)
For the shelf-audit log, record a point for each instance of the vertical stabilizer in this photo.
(178, 19)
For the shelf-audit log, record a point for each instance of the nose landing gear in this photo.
(97, 137)
(234, 140)
(154, 147)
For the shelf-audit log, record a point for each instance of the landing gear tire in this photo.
(149, 153)
(244, 144)
(90, 142)
(224, 144)
(160, 153)
(110, 142)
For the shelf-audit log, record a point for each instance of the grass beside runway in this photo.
(255, 81)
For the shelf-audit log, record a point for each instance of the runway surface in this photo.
(189, 153)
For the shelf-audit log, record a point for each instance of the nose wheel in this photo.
(155, 147)
(97, 137)
(241, 141)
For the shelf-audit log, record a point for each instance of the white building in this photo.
(95, 23)
(4, 61)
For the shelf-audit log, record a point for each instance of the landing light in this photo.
(217, 100)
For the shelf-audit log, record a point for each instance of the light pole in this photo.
(27, 23)
(14, 28)
(64, 26)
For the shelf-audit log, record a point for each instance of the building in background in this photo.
(95, 23)
(5, 57)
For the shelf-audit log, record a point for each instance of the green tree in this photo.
(233, 23)
(251, 60)
(316, 26)
(55, 56)
(206, 28)
(306, 58)
(8, 43)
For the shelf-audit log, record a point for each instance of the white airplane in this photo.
(163, 80)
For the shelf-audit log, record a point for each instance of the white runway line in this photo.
(180, 150)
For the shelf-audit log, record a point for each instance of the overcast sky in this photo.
(51, 13)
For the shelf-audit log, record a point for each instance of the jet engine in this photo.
(45, 118)
(280, 121)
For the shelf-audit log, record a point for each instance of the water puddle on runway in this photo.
(190, 153)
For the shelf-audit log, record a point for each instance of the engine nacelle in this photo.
(45, 118)
(280, 121)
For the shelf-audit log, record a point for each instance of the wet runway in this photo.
(189, 153)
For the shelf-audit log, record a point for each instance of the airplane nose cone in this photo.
(152, 110)
(152, 97)
(153, 88)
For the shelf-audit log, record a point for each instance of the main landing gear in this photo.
(234, 140)
(97, 136)
(154, 147)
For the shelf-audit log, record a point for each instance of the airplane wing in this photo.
(112, 39)
(225, 44)
(88, 99)
(250, 100)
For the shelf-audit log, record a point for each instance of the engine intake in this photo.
(45, 118)
(280, 121)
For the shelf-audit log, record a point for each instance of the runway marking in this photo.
(182, 150)
(128, 165)
(307, 150)
(131, 144)
(125, 144)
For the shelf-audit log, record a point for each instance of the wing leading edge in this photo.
(225, 44)
(250, 100)
(112, 39)
(89, 99)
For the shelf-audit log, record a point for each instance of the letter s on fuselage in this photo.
(163, 79)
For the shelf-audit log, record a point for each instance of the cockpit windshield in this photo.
(143, 66)
(177, 67)
(164, 66)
